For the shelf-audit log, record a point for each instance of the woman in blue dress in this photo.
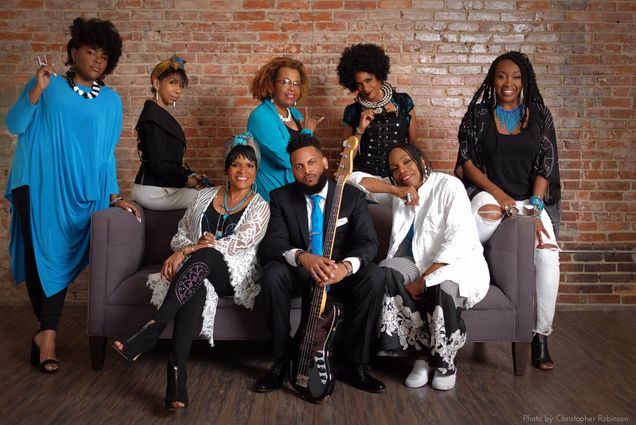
(63, 170)
(279, 85)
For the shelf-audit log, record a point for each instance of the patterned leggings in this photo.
(186, 296)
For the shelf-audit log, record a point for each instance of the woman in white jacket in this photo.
(435, 264)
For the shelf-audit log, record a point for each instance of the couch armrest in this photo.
(510, 257)
(116, 252)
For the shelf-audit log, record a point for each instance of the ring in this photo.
(169, 269)
(408, 197)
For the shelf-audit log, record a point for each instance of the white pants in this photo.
(546, 260)
(163, 198)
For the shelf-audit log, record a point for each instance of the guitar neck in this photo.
(330, 234)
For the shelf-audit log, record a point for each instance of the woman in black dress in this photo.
(380, 117)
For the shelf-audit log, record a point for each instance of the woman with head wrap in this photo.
(214, 255)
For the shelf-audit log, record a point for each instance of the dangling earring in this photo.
(295, 103)
(521, 98)
(254, 187)
(271, 99)
(174, 104)
(156, 95)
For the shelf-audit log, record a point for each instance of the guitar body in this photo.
(312, 368)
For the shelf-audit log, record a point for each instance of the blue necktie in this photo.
(316, 225)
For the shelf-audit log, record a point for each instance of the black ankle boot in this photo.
(141, 341)
(176, 389)
(540, 354)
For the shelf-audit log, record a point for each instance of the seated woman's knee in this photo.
(490, 212)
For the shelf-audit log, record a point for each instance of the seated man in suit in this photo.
(288, 267)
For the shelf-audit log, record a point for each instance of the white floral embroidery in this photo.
(397, 318)
(445, 346)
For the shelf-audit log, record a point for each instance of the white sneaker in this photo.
(444, 383)
(419, 375)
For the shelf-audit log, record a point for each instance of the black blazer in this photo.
(162, 144)
(288, 227)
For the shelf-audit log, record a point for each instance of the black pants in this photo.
(47, 309)
(362, 294)
(185, 299)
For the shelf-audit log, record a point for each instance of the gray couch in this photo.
(123, 252)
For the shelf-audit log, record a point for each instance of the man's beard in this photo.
(312, 190)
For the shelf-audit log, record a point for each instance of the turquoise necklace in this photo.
(509, 119)
(218, 234)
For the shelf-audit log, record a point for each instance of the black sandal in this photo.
(42, 366)
(176, 390)
(141, 341)
(540, 354)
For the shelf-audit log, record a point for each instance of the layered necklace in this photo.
(218, 230)
(378, 106)
(96, 87)
(509, 119)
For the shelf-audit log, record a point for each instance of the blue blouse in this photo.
(66, 155)
(272, 136)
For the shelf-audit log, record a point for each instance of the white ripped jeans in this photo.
(546, 260)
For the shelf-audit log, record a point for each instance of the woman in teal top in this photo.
(278, 84)
(63, 170)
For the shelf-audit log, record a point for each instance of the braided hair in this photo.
(486, 92)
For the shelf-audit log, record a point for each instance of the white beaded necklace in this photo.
(286, 119)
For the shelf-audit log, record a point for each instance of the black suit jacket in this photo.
(288, 226)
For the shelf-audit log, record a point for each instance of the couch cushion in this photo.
(161, 226)
(494, 300)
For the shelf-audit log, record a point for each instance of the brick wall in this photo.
(582, 51)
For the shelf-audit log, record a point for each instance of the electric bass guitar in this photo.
(312, 365)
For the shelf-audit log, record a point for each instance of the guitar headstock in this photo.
(349, 150)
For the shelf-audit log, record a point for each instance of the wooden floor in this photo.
(595, 353)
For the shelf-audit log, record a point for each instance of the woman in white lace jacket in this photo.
(434, 266)
(214, 255)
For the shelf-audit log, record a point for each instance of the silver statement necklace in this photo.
(378, 106)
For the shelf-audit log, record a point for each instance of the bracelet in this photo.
(358, 131)
(299, 253)
(182, 251)
(348, 267)
(538, 205)
(117, 199)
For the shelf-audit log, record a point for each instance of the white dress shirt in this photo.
(290, 256)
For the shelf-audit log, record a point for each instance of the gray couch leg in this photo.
(520, 357)
(97, 346)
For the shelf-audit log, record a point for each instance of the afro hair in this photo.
(368, 58)
(95, 33)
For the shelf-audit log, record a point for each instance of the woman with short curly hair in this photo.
(380, 117)
(64, 170)
(279, 85)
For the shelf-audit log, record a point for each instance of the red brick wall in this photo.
(582, 51)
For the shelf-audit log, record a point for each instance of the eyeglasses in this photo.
(286, 82)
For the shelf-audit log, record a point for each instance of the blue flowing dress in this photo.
(66, 155)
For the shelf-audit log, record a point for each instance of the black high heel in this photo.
(35, 359)
(141, 341)
(540, 354)
(176, 389)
